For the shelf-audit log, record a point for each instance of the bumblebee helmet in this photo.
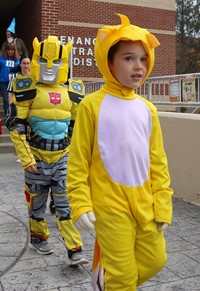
(49, 63)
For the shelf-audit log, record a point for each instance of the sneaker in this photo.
(42, 247)
(77, 258)
(18, 161)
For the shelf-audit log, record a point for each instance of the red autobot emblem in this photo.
(55, 98)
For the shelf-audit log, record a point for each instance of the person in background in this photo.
(23, 69)
(118, 180)
(42, 102)
(8, 60)
(11, 37)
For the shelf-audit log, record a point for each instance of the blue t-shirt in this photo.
(5, 66)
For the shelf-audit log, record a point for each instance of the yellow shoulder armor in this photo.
(76, 90)
(24, 87)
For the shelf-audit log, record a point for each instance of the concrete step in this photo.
(5, 138)
(6, 147)
(5, 130)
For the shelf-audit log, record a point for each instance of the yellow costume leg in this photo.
(39, 228)
(150, 251)
(70, 234)
(130, 255)
(116, 238)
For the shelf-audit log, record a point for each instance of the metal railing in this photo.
(177, 91)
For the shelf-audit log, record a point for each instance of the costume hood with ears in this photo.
(51, 51)
(109, 35)
(11, 27)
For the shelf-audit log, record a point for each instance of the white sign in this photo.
(175, 89)
(189, 94)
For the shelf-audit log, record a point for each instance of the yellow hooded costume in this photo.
(118, 169)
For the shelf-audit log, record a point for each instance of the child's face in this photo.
(129, 64)
(10, 52)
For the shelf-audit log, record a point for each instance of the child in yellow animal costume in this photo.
(43, 107)
(118, 180)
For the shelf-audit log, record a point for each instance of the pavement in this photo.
(22, 269)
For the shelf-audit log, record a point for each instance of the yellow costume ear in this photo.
(153, 42)
(105, 32)
(35, 42)
(103, 35)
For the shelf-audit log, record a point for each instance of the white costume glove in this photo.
(162, 226)
(85, 221)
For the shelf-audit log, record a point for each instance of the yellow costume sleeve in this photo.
(81, 143)
(160, 178)
(22, 149)
(18, 133)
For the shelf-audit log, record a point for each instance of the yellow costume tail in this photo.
(97, 270)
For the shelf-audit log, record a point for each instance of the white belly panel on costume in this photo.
(124, 128)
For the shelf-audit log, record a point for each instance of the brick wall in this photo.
(50, 15)
(28, 22)
(81, 19)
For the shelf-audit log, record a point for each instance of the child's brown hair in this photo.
(11, 46)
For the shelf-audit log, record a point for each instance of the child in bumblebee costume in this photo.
(123, 187)
(38, 121)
